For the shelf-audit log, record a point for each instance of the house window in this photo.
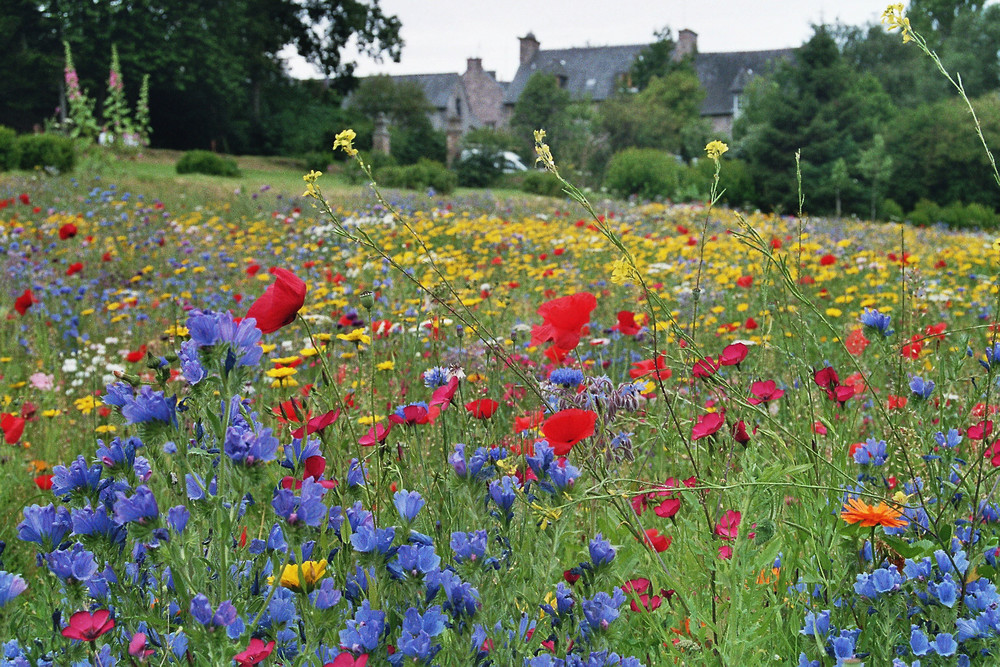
(736, 106)
(458, 107)
(563, 80)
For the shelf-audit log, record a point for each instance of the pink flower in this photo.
(87, 626)
(729, 525)
(375, 435)
(764, 391)
(733, 354)
(707, 425)
(256, 652)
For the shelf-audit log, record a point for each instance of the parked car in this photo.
(508, 161)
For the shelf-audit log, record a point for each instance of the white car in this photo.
(510, 161)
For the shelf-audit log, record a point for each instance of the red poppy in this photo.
(13, 427)
(23, 302)
(74, 268)
(936, 331)
(375, 435)
(627, 324)
(739, 431)
(640, 588)
(568, 427)
(842, 394)
(733, 354)
(912, 349)
(482, 408)
(827, 260)
(654, 368)
(764, 391)
(894, 402)
(980, 431)
(316, 424)
(291, 411)
(744, 281)
(993, 454)
(257, 651)
(704, 368)
(87, 626)
(750, 324)
(528, 421)
(136, 355)
(563, 320)
(253, 269)
(67, 231)
(280, 302)
(44, 482)
(25, 199)
(708, 424)
(656, 541)
(856, 342)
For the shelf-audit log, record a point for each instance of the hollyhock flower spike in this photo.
(279, 303)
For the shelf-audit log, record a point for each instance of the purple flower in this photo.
(921, 388)
(601, 551)
(87, 521)
(504, 492)
(150, 406)
(601, 610)
(201, 611)
(408, 504)
(177, 518)
(140, 508)
(307, 508)
(190, 360)
(11, 585)
(364, 631)
(468, 546)
(74, 565)
(46, 525)
(78, 477)
(245, 446)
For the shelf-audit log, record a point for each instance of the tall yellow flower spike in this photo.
(893, 19)
(345, 140)
(715, 149)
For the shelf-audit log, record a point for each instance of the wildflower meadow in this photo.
(297, 428)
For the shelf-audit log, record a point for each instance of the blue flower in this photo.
(416, 559)
(468, 546)
(246, 447)
(367, 539)
(945, 644)
(601, 551)
(952, 440)
(201, 611)
(177, 518)
(601, 610)
(877, 321)
(872, 452)
(147, 406)
(46, 526)
(140, 508)
(567, 377)
(364, 631)
(816, 624)
(78, 477)
(921, 388)
(307, 508)
(504, 493)
(435, 377)
(11, 585)
(408, 504)
(74, 565)
(946, 592)
(190, 360)
(325, 596)
(918, 641)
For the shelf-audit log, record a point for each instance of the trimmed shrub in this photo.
(9, 151)
(46, 151)
(423, 174)
(955, 214)
(375, 159)
(644, 172)
(317, 161)
(480, 168)
(890, 210)
(207, 162)
(735, 181)
(542, 183)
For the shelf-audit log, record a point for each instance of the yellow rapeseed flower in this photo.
(893, 18)
(345, 140)
(623, 272)
(715, 149)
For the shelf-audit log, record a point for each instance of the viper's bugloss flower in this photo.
(45, 525)
(469, 546)
(408, 504)
(601, 551)
(11, 585)
(364, 631)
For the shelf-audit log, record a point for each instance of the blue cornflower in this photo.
(140, 508)
(11, 585)
(78, 477)
(921, 388)
(408, 504)
(73, 565)
(364, 631)
(877, 321)
(435, 377)
(567, 377)
(468, 546)
(46, 525)
(601, 551)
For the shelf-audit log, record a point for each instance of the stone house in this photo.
(598, 72)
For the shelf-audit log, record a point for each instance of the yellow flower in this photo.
(357, 336)
(893, 18)
(106, 428)
(386, 365)
(715, 149)
(623, 272)
(282, 372)
(345, 140)
(543, 152)
(85, 404)
(312, 571)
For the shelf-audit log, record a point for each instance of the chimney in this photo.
(474, 66)
(687, 44)
(529, 47)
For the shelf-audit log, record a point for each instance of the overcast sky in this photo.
(441, 34)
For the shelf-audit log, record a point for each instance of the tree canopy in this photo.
(210, 65)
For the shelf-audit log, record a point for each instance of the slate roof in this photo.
(593, 72)
(437, 87)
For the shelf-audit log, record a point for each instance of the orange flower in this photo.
(857, 510)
